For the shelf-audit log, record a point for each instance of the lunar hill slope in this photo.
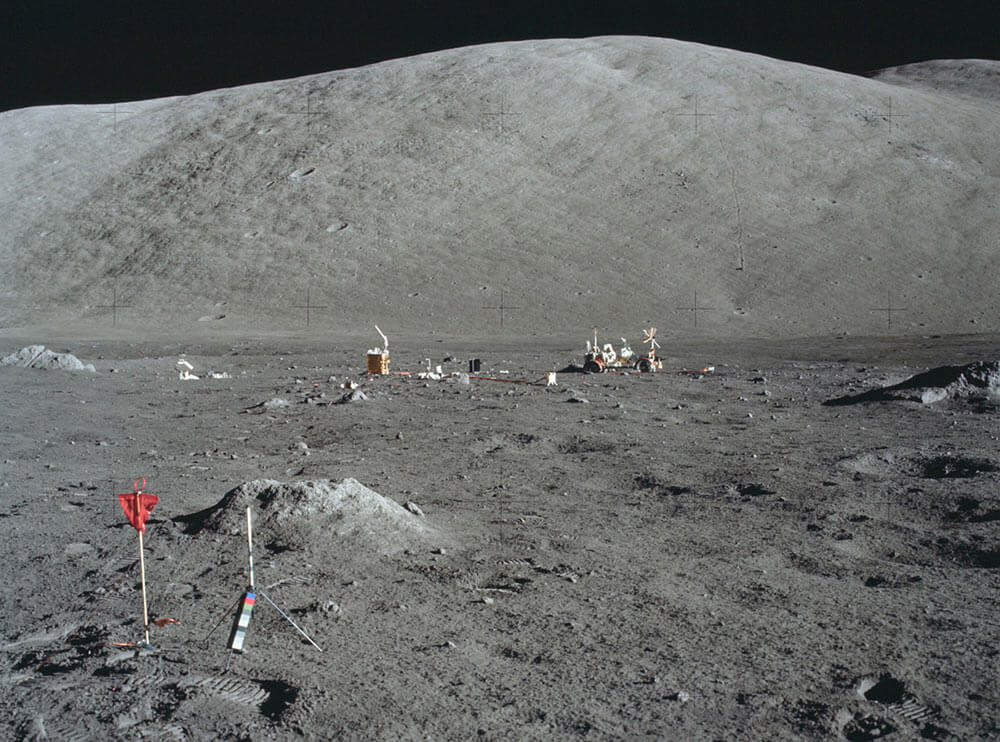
(618, 181)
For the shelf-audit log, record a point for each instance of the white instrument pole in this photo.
(250, 546)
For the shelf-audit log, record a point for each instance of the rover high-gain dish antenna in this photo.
(649, 336)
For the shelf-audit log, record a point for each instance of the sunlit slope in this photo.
(615, 182)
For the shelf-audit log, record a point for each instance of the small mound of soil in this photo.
(305, 515)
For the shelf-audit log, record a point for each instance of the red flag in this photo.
(138, 505)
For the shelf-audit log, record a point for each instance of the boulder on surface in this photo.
(980, 379)
(38, 356)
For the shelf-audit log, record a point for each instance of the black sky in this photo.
(80, 51)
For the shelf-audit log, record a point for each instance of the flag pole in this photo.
(137, 507)
(142, 573)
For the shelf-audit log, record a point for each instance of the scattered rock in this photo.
(332, 608)
(753, 489)
(271, 404)
(37, 356)
(353, 396)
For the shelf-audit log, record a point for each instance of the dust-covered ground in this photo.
(684, 555)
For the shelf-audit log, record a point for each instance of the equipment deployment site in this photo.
(607, 388)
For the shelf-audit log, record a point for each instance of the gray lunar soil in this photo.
(683, 555)
(789, 533)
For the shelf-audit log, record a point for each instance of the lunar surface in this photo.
(788, 532)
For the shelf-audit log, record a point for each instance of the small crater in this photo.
(650, 482)
(28, 660)
(811, 717)
(513, 654)
(883, 581)
(955, 467)
(866, 728)
(887, 690)
(969, 555)
(170, 698)
(280, 696)
(582, 445)
(988, 517)
(933, 731)
(968, 511)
